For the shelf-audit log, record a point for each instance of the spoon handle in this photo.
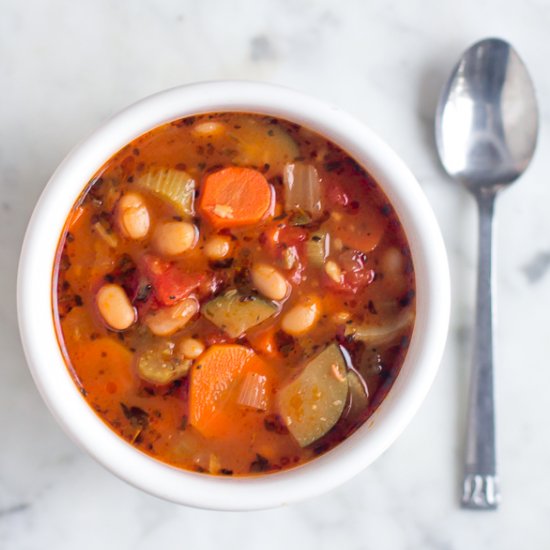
(480, 484)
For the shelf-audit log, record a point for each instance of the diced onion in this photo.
(253, 392)
(290, 256)
(381, 334)
(358, 395)
(109, 238)
(302, 187)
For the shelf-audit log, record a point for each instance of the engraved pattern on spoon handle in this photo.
(480, 484)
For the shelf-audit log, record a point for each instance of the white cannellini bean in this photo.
(114, 307)
(302, 317)
(133, 216)
(173, 238)
(217, 247)
(269, 281)
(191, 348)
(168, 320)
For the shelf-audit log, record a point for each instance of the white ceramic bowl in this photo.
(88, 430)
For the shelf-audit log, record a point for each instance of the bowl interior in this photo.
(81, 423)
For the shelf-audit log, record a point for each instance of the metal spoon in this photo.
(486, 132)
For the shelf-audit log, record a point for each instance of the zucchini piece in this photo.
(313, 402)
(317, 247)
(158, 365)
(261, 143)
(175, 186)
(235, 312)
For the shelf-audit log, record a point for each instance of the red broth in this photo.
(234, 294)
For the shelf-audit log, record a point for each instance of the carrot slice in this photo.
(215, 385)
(105, 365)
(234, 197)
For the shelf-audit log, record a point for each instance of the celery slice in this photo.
(175, 186)
(317, 247)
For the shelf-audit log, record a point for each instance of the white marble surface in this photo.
(67, 66)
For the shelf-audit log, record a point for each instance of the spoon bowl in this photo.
(486, 132)
(487, 117)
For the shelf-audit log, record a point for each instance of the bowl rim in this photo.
(81, 423)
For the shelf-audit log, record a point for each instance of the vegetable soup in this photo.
(233, 294)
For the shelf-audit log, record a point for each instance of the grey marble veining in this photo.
(67, 66)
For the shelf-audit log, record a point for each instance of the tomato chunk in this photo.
(170, 283)
(355, 273)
